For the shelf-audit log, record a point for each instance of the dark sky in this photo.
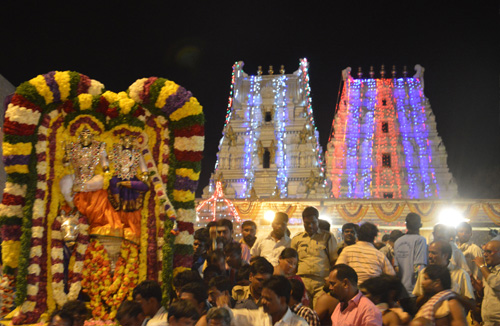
(195, 45)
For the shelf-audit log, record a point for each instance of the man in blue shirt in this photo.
(410, 252)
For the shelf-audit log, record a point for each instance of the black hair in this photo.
(129, 308)
(185, 277)
(148, 289)
(202, 235)
(197, 289)
(214, 256)
(210, 272)
(465, 225)
(221, 283)
(297, 289)
(225, 222)
(289, 253)
(367, 232)
(350, 226)
(249, 223)
(324, 225)
(232, 248)
(346, 272)
(377, 287)
(64, 314)
(261, 266)
(281, 217)
(395, 234)
(413, 221)
(310, 211)
(385, 237)
(279, 285)
(438, 272)
(243, 273)
(183, 308)
(76, 307)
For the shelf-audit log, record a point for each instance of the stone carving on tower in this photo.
(384, 142)
(270, 146)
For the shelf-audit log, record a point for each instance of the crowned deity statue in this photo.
(84, 156)
(126, 190)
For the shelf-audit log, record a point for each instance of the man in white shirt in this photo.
(148, 293)
(270, 247)
(469, 249)
(274, 310)
(443, 232)
(440, 254)
(363, 257)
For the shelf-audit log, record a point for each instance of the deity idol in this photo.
(84, 156)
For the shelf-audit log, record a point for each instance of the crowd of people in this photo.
(310, 279)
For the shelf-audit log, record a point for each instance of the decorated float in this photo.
(100, 191)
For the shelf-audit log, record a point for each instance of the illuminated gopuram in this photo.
(270, 148)
(384, 142)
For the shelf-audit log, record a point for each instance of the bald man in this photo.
(490, 268)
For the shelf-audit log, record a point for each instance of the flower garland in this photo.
(30, 202)
(106, 292)
(57, 267)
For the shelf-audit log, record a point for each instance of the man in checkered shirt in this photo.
(298, 308)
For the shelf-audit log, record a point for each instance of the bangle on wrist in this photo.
(483, 265)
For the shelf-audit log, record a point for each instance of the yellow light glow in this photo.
(451, 216)
(269, 216)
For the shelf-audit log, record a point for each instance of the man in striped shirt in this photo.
(363, 257)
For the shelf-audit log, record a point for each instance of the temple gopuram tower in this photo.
(270, 148)
(384, 142)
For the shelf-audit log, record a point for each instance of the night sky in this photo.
(195, 45)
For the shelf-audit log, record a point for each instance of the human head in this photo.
(440, 253)
(182, 313)
(148, 293)
(260, 271)
(224, 230)
(310, 218)
(436, 279)
(210, 272)
(232, 252)
(248, 231)
(464, 232)
(185, 277)
(130, 313)
(217, 258)
(288, 261)
(413, 222)
(385, 238)
(78, 310)
(212, 229)
(218, 286)
(218, 317)
(276, 294)
(297, 291)
(441, 232)
(197, 293)
(367, 232)
(376, 289)
(201, 241)
(279, 224)
(324, 225)
(61, 318)
(394, 235)
(350, 233)
(492, 253)
(343, 282)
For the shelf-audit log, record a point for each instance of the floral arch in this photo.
(46, 114)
